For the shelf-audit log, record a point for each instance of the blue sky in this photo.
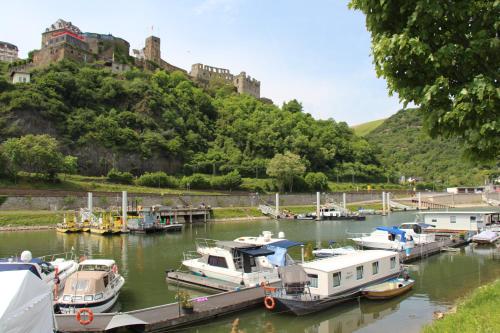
(315, 51)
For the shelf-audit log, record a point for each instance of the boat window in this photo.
(67, 298)
(99, 296)
(336, 279)
(217, 261)
(88, 298)
(472, 218)
(359, 272)
(393, 262)
(375, 267)
(313, 280)
(80, 285)
(453, 219)
(106, 281)
(434, 220)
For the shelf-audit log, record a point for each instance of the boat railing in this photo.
(71, 255)
(297, 293)
(357, 234)
(189, 255)
(205, 242)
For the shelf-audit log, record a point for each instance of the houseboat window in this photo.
(434, 220)
(336, 279)
(453, 219)
(472, 218)
(88, 298)
(67, 298)
(217, 261)
(393, 262)
(99, 296)
(359, 272)
(375, 267)
(313, 279)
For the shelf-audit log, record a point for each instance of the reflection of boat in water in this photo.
(96, 286)
(388, 289)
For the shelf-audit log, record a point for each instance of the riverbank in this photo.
(477, 313)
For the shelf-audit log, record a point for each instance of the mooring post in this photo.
(318, 203)
(302, 252)
(124, 211)
(277, 205)
(344, 200)
(419, 197)
(388, 202)
(383, 203)
(89, 202)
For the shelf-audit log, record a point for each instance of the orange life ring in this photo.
(88, 312)
(269, 303)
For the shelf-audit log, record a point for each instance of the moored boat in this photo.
(486, 237)
(388, 289)
(69, 225)
(95, 286)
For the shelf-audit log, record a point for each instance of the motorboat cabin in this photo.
(234, 262)
(421, 233)
(96, 286)
(384, 238)
(460, 221)
(326, 282)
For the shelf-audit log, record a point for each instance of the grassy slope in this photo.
(30, 218)
(365, 128)
(477, 313)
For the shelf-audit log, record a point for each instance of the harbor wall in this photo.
(77, 200)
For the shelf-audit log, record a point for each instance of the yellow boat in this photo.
(86, 226)
(68, 226)
(388, 289)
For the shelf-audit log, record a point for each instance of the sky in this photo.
(317, 52)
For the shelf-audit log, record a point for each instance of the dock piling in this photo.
(383, 203)
(277, 205)
(124, 211)
(318, 203)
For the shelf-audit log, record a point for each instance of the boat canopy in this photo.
(258, 252)
(14, 266)
(393, 231)
(285, 244)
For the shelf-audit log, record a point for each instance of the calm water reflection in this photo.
(143, 259)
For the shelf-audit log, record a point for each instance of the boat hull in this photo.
(97, 307)
(386, 294)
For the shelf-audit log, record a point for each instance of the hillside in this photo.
(366, 128)
(408, 151)
(141, 121)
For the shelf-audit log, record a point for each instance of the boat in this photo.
(103, 226)
(486, 237)
(234, 262)
(383, 238)
(95, 286)
(332, 251)
(421, 233)
(447, 222)
(331, 212)
(54, 273)
(322, 283)
(153, 219)
(68, 225)
(388, 289)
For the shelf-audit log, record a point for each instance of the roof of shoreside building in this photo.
(8, 45)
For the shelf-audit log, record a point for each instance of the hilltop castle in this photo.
(63, 40)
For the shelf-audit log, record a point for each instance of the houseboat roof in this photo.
(459, 212)
(350, 259)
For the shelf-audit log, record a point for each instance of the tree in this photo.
(317, 181)
(34, 153)
(284, 167)
(442, 56)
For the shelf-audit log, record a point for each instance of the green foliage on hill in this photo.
(406, 150)
(366, 128)
(146, 122)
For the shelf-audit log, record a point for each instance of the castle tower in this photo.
(152, 49)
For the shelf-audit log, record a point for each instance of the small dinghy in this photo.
(388, 289)
(486, 237)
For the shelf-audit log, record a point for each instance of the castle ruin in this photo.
(149, 57)
(244, 84)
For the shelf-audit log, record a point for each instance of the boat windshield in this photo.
(100, 268)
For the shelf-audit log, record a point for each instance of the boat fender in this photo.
(115, 269)
(88, 313)
(269, 303)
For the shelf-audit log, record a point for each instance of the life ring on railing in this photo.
(88, 313)
(269, 303)
(115, 269)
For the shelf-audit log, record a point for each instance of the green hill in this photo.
(406, 150)
(366, 128)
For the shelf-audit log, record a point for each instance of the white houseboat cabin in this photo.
(460, 221)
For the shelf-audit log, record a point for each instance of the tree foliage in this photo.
(442, 56)
(285, 167)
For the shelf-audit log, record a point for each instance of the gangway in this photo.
(268, 210)
(397, 205)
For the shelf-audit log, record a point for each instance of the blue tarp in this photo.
(394, 231)
(285, 244)
(279, 256)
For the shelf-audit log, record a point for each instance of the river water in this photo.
(143, 259)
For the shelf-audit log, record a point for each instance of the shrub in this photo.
(230, 181)
(157, 179)
(195, 181)
(316, 181)
(115, 176)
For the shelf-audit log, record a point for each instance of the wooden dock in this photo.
(186, 278)
(169, 316)
(426, 250)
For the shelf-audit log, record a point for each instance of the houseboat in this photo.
(234, 262)
(460, 221)
(486, 237)
(317, 285)
(95, 286)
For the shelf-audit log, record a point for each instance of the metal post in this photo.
(383, 203)
(388, 202)
(277, 205)
(302, 252)
(419, 205)
(318, 203)
(90, 202)
(344, 200)
(124, 211)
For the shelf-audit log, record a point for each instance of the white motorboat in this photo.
(332, 251)
(486, 237)
(53, 273)
(383, 238)
(234, 262)
(95, 286)
(421, 233)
